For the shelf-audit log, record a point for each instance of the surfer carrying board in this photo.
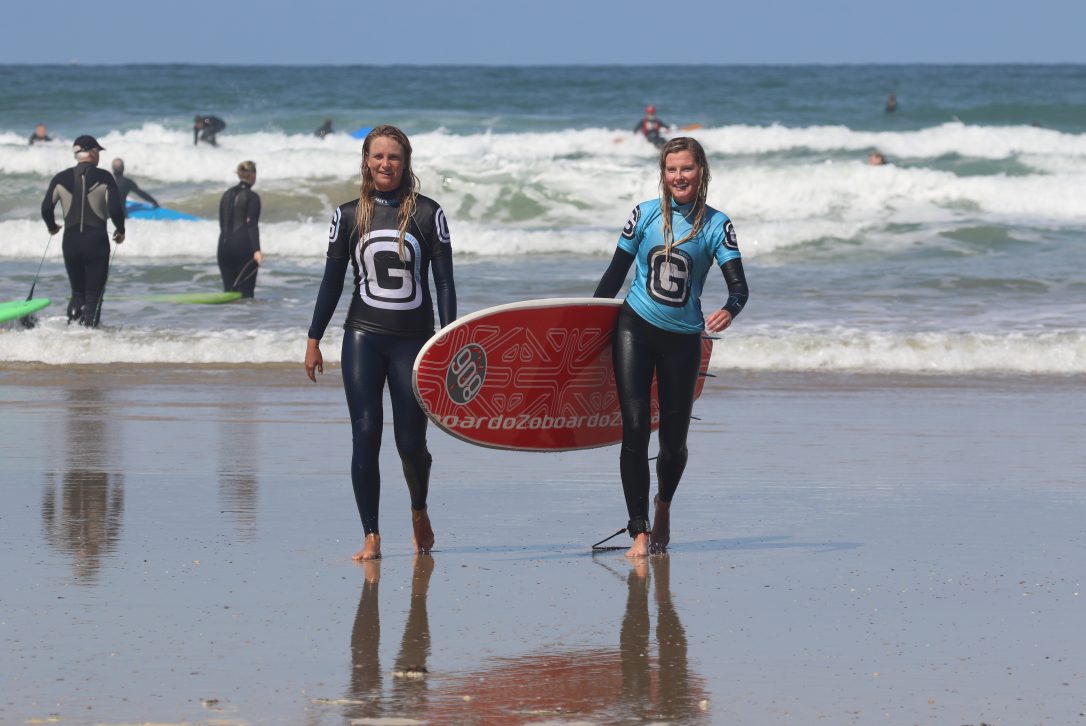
(393, 236)
(126, 185)
(88, 197)
(660, 326)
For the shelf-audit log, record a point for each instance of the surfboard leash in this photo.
(30, 321)
(596, 547)
(240, 279)
(102, 294)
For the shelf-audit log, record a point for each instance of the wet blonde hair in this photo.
(683, 143)
(405, 195)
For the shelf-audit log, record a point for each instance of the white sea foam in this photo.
(750, 349)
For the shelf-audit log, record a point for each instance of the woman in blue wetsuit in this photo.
(393, 236)
(660, 325)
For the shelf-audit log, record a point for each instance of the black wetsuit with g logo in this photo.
(390, 317)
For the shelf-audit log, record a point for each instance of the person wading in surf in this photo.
(239, 233)
(88, 196)
(393, 236)
(673, 240)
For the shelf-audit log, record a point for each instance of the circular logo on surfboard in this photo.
(466, 373)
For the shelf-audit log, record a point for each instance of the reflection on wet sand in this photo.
(614, 686)
(238, 482)
(84, 521)
(366, 697)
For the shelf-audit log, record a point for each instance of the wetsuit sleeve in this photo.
(135, 189)
(49, 203)
(252, 221)
(615, 274)
(195, 136)
(116, 206)
(737, 286)
(441, 264)
(328, 295)
(446, 289)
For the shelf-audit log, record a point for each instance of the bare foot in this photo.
(661, 527)
(640, 546)
(371, 549)
(423, 538)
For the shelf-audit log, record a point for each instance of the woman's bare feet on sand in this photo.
(640, 546)
(423, 538)
(661, 527)
(371, 549)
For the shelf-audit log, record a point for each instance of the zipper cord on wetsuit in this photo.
(83, 200)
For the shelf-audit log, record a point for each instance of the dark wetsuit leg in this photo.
(364, 370)
(409, 421)
(86, 259)
(638, 350)
(238, 269)
(368, 359)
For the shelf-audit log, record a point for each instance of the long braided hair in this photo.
(683, 143)
(405, 195)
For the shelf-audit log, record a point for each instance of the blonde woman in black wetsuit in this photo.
(392, 236)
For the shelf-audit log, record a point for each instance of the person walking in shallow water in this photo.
(673, 240)
(88, 197)
(393, 236)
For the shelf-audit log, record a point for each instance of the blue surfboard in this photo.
(139, 210)
(361, 133)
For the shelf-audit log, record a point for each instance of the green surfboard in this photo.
(198, 298)
(15, 309)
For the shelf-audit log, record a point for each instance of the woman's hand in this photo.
(719, 320)
(314, 361)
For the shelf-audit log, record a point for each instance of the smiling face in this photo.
(385, 163)
(682, 176)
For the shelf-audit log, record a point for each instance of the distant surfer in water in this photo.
(324, 129)
(126, 186)
(88, 196)
(239, 233)
(39, 135)
(651, 127)
(393, 236)
(205, 128)
(660, 326)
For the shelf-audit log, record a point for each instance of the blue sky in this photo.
(550, 32)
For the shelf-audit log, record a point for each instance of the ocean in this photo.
(963, 255)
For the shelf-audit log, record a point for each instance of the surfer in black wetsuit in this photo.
(205, 128)
(39, 135)
(88, 196)
(239, 233)
(651, 127)
(126, 186)
(674, 241)
(325, 128)
(393, 236)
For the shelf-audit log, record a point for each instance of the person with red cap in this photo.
(652, 127)
(88, 196)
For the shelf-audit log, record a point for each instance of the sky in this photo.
(551, 32)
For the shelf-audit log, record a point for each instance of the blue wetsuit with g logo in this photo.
(659, 332)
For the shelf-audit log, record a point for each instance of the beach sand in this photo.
(175, 546)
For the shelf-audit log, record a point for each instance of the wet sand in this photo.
(175, 545)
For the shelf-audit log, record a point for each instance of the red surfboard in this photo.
(530, 376)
